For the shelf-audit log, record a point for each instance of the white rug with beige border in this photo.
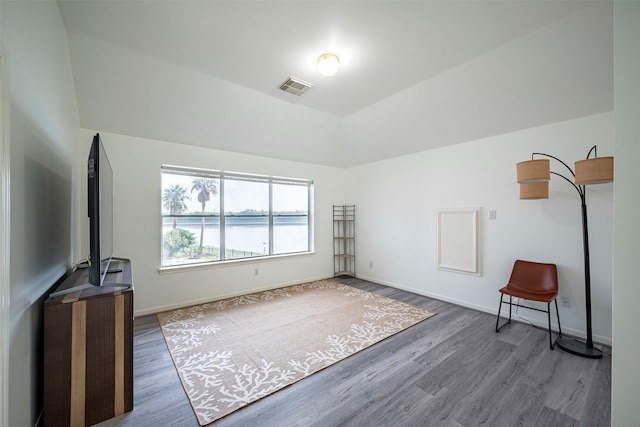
(232, 352)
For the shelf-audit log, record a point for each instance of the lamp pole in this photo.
(573, 346)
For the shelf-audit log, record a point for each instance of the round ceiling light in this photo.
(328, 64)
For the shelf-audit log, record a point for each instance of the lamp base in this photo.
(578, 348)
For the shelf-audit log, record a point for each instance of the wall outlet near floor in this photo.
(256, 271)
(565, 302)
(370, 264)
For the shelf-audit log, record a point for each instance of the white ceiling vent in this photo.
(295, 86)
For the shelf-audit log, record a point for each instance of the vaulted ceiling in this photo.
(208, 72)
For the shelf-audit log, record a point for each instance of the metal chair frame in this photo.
(548, 311)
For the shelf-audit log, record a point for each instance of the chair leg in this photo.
(558, 314)
(549, 318)
(498, 319)
(499, 310)
(510, 305)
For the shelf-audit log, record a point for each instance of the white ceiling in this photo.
(242, 51)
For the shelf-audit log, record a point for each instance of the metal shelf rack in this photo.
(344, 240)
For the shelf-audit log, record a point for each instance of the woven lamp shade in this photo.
(536, 190)
(594, 171)
(533, 171)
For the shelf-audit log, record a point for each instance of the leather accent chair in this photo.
(532, 281)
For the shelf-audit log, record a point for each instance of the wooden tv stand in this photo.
(88, 349)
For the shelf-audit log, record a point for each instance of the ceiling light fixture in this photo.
(328, 64)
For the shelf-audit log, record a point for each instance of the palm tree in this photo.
(173, 201)
(206, 188)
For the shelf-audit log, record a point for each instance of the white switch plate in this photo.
(492, 214)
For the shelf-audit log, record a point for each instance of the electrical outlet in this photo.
(493, 214)
(565, 301)
(256, 271)
(370, 264)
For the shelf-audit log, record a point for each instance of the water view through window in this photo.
(209, 216)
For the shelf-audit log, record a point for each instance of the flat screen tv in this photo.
(100, 196)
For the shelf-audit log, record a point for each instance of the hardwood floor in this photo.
(450, 370)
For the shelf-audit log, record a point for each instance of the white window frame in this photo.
(221, 177)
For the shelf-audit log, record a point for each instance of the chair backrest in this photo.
(534, 276)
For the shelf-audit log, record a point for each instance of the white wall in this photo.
(397, 201)
(560, 72)
(137, 198)
(625, 387)
(43, 133)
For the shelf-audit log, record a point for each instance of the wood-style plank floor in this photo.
(450, 370)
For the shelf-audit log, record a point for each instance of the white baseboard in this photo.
(490, 310)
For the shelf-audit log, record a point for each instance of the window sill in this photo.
(228, 263)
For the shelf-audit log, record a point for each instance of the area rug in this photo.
(232, 352)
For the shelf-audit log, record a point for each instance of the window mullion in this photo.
(270, 217)
(309, 228)
(223, 250)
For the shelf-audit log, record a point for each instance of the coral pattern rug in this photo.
(232, 352)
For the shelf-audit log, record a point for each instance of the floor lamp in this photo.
(533, 177)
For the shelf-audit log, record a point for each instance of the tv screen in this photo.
(100, 195)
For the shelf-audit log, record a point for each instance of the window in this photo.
(212, 216)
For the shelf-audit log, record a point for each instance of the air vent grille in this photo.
(295, 86)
